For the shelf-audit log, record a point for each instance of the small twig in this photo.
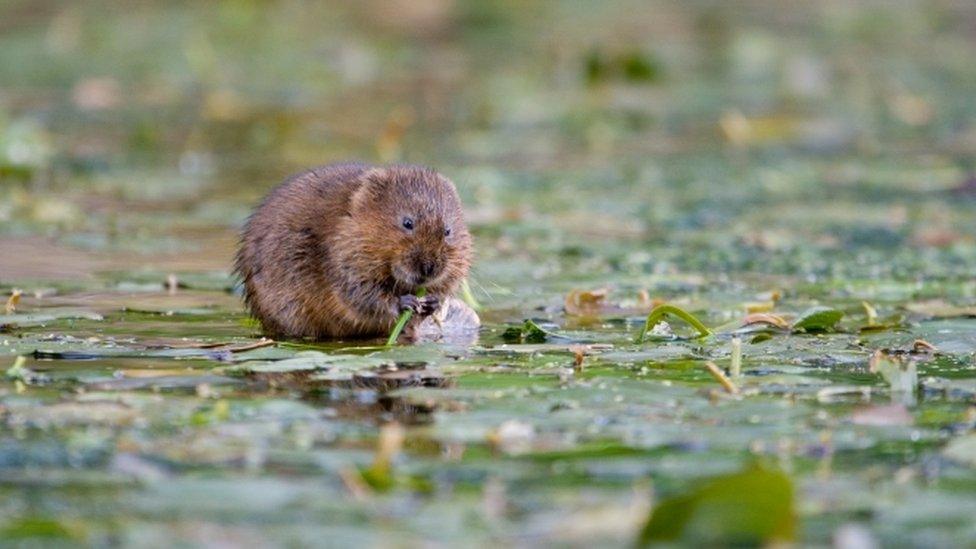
(263, 342)
(720, 376)
(210, 345)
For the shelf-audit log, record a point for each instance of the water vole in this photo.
(340, 251)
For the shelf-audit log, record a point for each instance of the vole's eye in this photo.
(447, 231)
(408, 223)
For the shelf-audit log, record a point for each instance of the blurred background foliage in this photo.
(715, 128)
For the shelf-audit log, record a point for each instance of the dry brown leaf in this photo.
(766, 318)
(586, 302)
(922, 346)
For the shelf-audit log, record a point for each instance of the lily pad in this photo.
(48, 316)
(752, 507)
(818, 319)
(307, 362)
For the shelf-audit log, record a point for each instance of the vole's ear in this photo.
(374, 182)
(376, 178)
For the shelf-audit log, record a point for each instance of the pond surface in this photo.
(745, 164)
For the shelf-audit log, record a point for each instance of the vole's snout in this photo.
(427, 269)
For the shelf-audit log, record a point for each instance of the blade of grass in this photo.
(402, 321)
(661, 310)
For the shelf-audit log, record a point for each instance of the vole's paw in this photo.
(429, 305)
(409, 302)
(422, 306)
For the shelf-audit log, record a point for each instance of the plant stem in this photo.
(402, 321)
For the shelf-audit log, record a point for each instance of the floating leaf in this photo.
(751, 507)
(40, 319)
(306, 362)
(818, 319)
(532, 333)
(528, 332)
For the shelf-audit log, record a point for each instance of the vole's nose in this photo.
(427, 269)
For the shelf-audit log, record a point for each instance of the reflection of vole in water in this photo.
(340, 251)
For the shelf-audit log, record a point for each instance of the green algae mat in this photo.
(789, 188)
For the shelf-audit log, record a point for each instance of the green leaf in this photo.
(751, 507)
(528, 332)
(818, 319)
(532, 333)
(661, 311)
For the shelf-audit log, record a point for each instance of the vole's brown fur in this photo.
(330, 252)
